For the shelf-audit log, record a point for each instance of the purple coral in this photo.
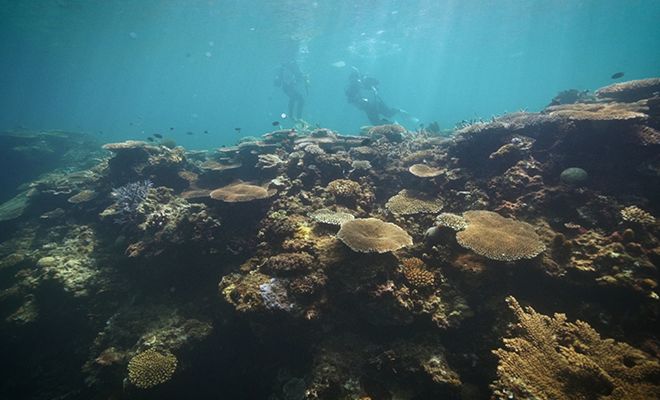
(275, 296)
(128, 198)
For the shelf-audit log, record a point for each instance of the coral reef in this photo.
(309, 264)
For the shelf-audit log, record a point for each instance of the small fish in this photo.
(171, 128)
(238, 130)
(158, 135)
(617, 75)
(276, 123)
(339, 64)
(190, 133)
(206, 131)
(130, 124)
(150, 139)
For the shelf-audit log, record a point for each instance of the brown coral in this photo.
(151, 368)
(371, 235)
(424, 171)
(631, 90)
(408, 202)
(599, 111)
(82, 197)
(415, 272)
(498, 238)
(344, 189)
(288, 263)
(551, 358)
(452, 221)
(637, 215)
(241, 192)
(329, 217)
(391, 132)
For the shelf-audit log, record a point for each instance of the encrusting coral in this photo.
(151, 368)
(551, 358)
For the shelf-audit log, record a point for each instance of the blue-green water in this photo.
(128, 69)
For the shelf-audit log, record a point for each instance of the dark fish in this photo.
(617, 75)
(130, 124)
(171, 128)
(276, 123)
(366, 142)
(158, 135)
(190, 133)
(238, 130)
(150, 139)
(206, 131)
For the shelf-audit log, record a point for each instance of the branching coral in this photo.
(128, 199)
(637, 215)
(415, 272)
(550, 358)
(151, 368)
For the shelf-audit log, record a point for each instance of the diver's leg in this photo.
(301, 104)
(373, 115)
(292, 101)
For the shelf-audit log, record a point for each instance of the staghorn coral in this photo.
(550, 358)
(408, 202)
(637, 215)
(498, 238)
(241, 192)
(128, 199)
(371, 235)
(151, 368)
(415, 272)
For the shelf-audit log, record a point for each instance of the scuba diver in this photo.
(293, 82)
(362, 92)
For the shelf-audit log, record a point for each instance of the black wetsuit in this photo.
(290, 79)
(362, 92)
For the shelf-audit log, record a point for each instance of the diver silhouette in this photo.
(362, 92)
(293, 82)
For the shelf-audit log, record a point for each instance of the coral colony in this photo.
(128, 198)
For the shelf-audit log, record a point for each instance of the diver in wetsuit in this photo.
(362, 92)
(293, 82)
